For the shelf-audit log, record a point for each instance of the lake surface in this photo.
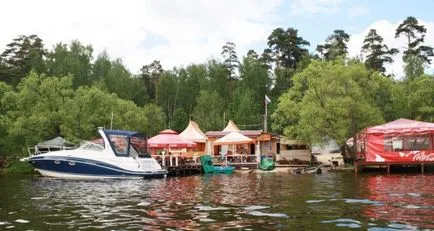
(242, 201)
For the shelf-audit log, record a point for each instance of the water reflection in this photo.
(263, 201)
(406, 199)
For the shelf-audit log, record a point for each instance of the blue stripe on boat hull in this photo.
(87, 168)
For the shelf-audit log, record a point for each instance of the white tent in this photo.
(193, 133)
(233, 138)
(231, 127)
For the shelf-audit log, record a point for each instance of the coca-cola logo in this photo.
(423, 157)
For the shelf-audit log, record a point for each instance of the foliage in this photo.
(287, 46)
(18, 167)
(209, 111)
(150, 75)
(377, 53)
(415, 35)
(74, 60)
(20, 56)
(230, 58)
(413, 67)
(326, 102)
(421, 98)
(335, 46)
(244, 109)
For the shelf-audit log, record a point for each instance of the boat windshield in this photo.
(86, 145)
(128, 146)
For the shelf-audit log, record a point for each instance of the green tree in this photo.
(415, 35)
(21, 56)
(35, 110)
(73, 59)
(244, 109)
(155, 117)
(254, 76)
(150, 75)
(179, 120)
(230, 59)
(287, 46)
(168, 87)
(326, 102)
(4, 120)
(218, 80)
(114, 77)
(413, 67)
(421, 98)
(209, 110)
(335, 46)
(377, 53)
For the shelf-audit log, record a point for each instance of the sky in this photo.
(179, 33)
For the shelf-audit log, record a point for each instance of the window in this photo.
(417, 143)
(119, 144)
(406, 143)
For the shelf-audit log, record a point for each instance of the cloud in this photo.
(174, 32)
(300, 7)
(387, 30)
(357, 11)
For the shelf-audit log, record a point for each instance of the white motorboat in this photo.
(121, 154)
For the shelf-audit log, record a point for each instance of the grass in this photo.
(15, 166)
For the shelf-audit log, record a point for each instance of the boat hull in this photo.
(86, 168)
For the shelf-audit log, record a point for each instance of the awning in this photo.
(234, 138)
(169, 139)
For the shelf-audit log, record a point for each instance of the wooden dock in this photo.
(186, 169)
(361, 164)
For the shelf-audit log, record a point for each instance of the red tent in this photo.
(401, 140)
(169, 139)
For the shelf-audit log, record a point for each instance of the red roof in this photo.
(402, 126)
(169, 139)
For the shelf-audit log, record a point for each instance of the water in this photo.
(242, 201)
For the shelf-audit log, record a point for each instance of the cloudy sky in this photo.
(190, 31)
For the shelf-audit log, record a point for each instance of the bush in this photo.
(17, 166)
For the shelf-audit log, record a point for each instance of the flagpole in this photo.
(266, 117)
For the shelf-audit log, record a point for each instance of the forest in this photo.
(315, 93)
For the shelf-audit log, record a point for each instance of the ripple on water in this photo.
(257, 207)
(144, 203)
(210, 208)
(362, 201)
(206, 220)
(411, 207)
(414, 194)
(262, 214)
(314, 201)
(345, 222)
(21, 221)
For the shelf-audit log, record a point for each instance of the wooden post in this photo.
(356, 165)
(388, 169)
(422, 168)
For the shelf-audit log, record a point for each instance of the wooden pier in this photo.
(185, 169)
(361, 164)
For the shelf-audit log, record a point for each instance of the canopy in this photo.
(169, 139)
(233, 138)
(231, 127)
(401, 140)
(402, 126)
(56, 142)
(193, 133)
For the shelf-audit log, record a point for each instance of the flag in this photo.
(267, 100)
